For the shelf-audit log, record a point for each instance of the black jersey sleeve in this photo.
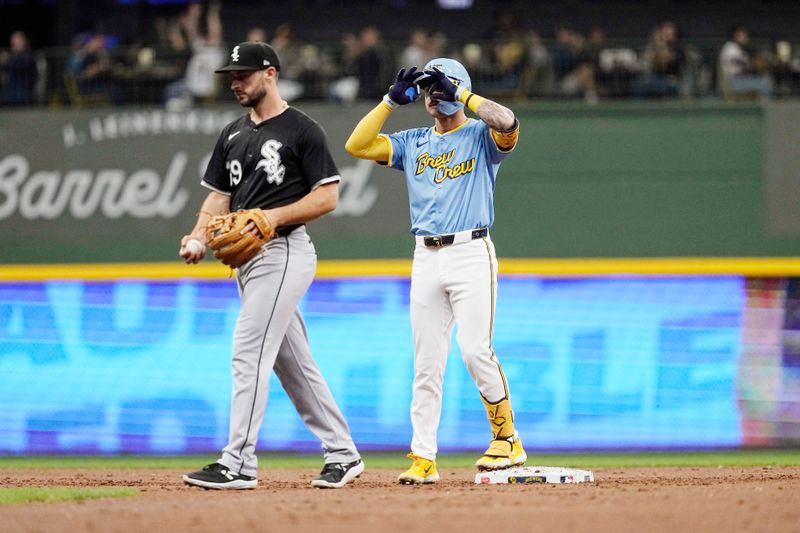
(316, 160)
(216, 176)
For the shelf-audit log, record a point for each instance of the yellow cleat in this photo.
(422, 471)
(503, 453)
(518, 455)
(496, 456)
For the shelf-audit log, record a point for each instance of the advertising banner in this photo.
(639, 362)
(122, 184)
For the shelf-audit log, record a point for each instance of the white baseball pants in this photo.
(454, 284)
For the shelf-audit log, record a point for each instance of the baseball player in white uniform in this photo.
(450, 170)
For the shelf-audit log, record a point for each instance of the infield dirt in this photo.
(763, 499)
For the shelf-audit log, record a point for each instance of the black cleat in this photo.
(337, 475)
(217, 476)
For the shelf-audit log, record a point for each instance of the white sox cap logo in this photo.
(251, 56)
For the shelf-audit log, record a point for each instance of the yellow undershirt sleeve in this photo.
(471, 100)
(366, 141)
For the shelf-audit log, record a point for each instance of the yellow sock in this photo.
(501, 418)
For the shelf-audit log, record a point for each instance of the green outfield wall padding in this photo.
(612, 180)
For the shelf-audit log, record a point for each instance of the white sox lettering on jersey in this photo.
(258, 164)
(271, 164)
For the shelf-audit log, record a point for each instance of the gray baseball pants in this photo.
(270, 334)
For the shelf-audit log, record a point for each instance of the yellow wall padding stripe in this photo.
(746, 266)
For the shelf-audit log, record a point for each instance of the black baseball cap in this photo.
(252, 55)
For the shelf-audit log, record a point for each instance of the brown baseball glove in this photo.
(230, 246)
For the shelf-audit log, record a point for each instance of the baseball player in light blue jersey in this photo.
(450, 170)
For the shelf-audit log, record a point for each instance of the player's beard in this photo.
(252, 100)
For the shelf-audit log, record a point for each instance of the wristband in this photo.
(391, 104)
(471, 100)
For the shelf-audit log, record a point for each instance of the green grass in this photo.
(11, 495)
(733, 458)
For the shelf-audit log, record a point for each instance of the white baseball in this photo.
(195, 246)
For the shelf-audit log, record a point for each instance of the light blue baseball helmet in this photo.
(454, 71)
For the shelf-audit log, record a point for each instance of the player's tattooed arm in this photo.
(504, 125)
(498, 117)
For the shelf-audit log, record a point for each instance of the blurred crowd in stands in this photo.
(509, 61)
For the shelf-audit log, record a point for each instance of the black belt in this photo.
(283, 231)
(437, 241)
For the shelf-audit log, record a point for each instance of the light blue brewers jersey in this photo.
(450, 176)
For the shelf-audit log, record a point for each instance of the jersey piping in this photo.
(325, 181)
(209, 186)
